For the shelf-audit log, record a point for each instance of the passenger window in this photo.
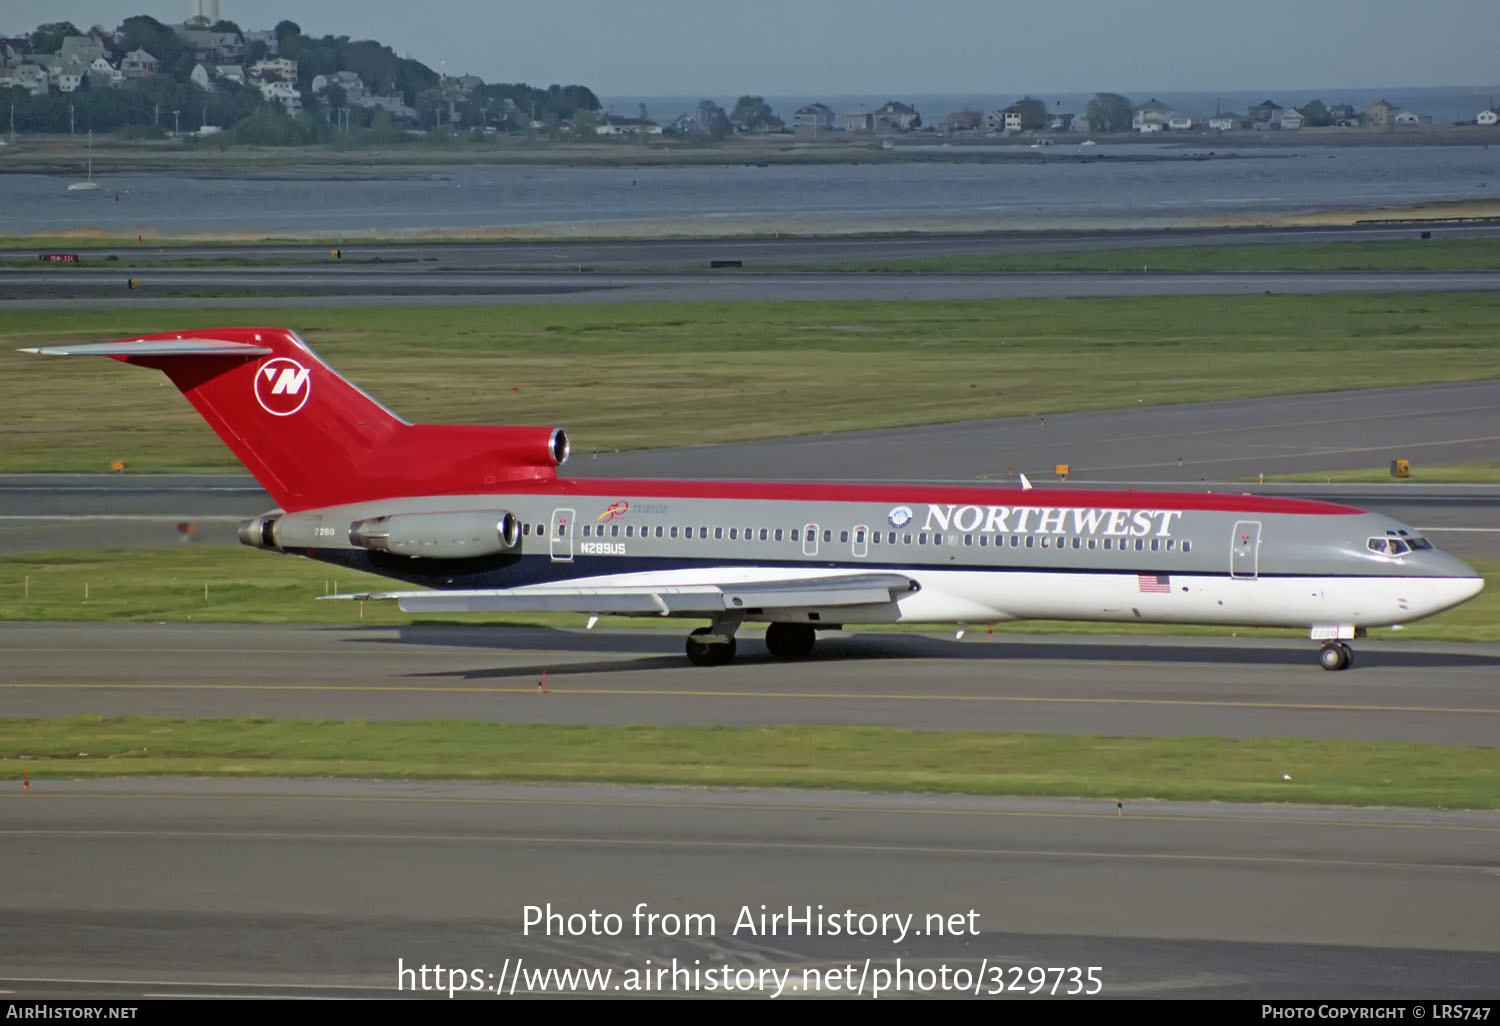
(968, 539)
(718, 533)
(1155, 544)
(763, 534)
(828, 536)
(1046, 541)
(891, 538)
(525, 528)
(539, 530)
(1171, 544)
(585, 530)
(1015, 541)
(794, 534)
(875, 537)
(1093, 543)
(922, 538)
(843, 536)
(658, 532)
(1187, 546)
(937, 539)
(1140, 545)
(778, 534)
(674, 532)
(562, 528)
(703, 533)
(906, 539)
(734, 532)
(1077, 543)
(1031, 541)
(984, 540)
(630, 531)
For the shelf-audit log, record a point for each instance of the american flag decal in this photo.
(1157, 584)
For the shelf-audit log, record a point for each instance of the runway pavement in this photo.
(320, 888)
(1125, 684)
(1220, 445)
(327, 287)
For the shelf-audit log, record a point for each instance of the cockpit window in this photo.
(1389, 546)
(1420, 543)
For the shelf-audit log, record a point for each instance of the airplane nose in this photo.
(1453, 591)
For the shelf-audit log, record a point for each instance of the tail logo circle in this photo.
(282, 386)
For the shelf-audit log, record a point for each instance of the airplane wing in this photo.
(660, 600)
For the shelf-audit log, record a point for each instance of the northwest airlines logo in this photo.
(282, 386)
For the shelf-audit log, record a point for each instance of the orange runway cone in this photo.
(26, 779)
(541, 685)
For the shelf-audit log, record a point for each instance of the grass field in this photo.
(856, 758)
(1413, 254)
(668, 374)
(233, 584)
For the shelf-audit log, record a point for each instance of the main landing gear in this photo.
(715, 646)
(1335, 655)
(711, 646)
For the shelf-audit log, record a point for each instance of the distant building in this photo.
(274, 69)
(611, 124)
(1292, 119)
(1266, 113)
(202, 78)
(1411, 119)
(684, 124)
(1060, 122)
(895, 116)
(813, 119)
(961, 121)
(859, 119)
(1151, 116)
(1381, 114)
(283, 93)
(1342, 112)
(232, 72)
(267, 37)
(1226, 122)
(139, 64)
(1178, 121)
(84, 48)
(30, 77)
(1488, 117)
(103, 75)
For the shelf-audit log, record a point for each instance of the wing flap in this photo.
(658, 600)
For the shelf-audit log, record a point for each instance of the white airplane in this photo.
(479, 518)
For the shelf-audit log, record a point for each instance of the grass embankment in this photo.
(670, 374)
(1415, 254)
(231, 584)
(856, 758)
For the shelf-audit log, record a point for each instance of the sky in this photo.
(806, 47)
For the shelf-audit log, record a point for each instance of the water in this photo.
(1101, 186)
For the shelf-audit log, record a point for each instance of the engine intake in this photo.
(439, 535)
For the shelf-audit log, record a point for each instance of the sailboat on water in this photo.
(89, 185)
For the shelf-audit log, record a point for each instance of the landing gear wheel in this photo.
(1335, 656)
(790, 640)
(702, 654)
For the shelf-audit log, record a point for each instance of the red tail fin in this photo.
(313, 439)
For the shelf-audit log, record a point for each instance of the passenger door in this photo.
(1244, 550)
(560, 536)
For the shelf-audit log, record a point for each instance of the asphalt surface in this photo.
(328, 287)
(1131, 684)
(324, 889)
(1221, 445)
(678, 254)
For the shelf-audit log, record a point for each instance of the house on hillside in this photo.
(139, 64)
(83, 48)
(1292, 119)
(859, 119)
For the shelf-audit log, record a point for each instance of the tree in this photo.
(753, 114)
(1033, 113)
(713, 120)
(224, 25)
(1316, 115)
(258, 51)
(1109, 112)
(49, 38)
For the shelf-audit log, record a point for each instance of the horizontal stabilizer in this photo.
(156, 347)
(658, 600)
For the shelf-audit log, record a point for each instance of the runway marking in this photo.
(1111, 814)
(555, 689)
(740, 844)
